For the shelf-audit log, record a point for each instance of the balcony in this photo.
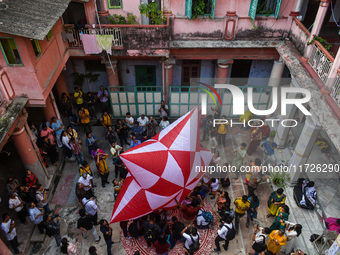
(125, 37)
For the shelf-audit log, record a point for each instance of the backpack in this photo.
(231, 233)
(195, 246)
(133, 230)
(260, 247)
(149, 235)
(208, 217)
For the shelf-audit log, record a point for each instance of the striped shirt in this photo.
(75, 147)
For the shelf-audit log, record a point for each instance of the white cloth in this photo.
(224, 230)
(163, 112)
(66, 141)
(14, 202)
(86, 182)
(39, 196)
(143, 122)
(188, 240)
(214, 185)
(259, 236)
(291, 235)
(115, 149)
(5, 227)
(90, 206)
(200, 219)
(206, 179)
(129, 121)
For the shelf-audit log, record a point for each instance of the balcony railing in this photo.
(77, 43)
(335, 94)
(321, 61)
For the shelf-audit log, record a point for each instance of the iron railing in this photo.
(335, 93)
(320, 61)
(77, 43)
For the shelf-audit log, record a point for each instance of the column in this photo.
(304, 147)
(275, 80)
(320, 16)
(112, 72)
(49, 110)
(282, 132)
(61, 86)
(222, 72)
(333, 72)
(28, 155)
(4, 249)
(103, 11)
(168, 78)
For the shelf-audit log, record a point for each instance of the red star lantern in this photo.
(162, 169)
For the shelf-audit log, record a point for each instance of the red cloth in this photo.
(332, 224)
(265, 131)
(189, 212)
(31, 180)
(161, 248)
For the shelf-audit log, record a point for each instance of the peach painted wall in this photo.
(129, 6)
(37, 73)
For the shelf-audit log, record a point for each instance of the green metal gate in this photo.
(184, 98)
(136, 100)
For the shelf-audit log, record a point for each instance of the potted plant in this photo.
(153, 12)
(279, 179)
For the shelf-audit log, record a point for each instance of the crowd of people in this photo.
(159, 229)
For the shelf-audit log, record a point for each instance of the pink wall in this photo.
(37, 74)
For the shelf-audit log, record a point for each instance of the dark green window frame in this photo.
(255, 5)
(111, 6)
(36, 47)
(49, 35)
(10, 51)
(189, 8)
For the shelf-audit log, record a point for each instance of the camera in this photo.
(47, 190)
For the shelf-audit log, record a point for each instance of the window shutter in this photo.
(188, 8)
(252, 9)
(213, 3)
(277, 10)
(37, 45)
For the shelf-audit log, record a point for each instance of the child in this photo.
(214, 187)
(117, 187)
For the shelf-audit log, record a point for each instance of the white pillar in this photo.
(320, 16)
(275, 80)
(282, 132)
(303, 148)
(298, 5)
(333, 72)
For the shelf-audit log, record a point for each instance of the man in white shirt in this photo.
(85, 179)
(163, 110)
(222, 234)
(129, 121)
(143, 121)
(260, 236)
(8, 226)
(193, 236)
(201, 222)
(90, 204)
(41, 197)
(15, 203)
(115, 152)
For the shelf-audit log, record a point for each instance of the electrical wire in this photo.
(101, 31)
(332, 8)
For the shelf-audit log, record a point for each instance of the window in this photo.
(10, 51)
(36, 47)
(145, 78)
(49, 36)
(115, 4)
(195, 8)
(264, 8)
(94, 66)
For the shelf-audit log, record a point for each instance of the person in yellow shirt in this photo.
(222, 132)
(78, 95)
(242, 204)
(102, 167)
(106, 121)
(84, 117)
(277, 239)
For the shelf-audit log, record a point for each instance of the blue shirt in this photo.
(253, 204)
(33, 213)
(56, 126)
(269, 148)
(134, 144)
(138, 130)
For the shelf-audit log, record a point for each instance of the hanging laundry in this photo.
(90, 44)
(105, 43)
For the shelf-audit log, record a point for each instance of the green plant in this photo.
(117, 19)
(198, 8)
(324, 43)
(272, 133)
(131, 19)
(279, 179)
(79, 78)
(153, 12)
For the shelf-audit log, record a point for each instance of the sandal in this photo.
(268, 215)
